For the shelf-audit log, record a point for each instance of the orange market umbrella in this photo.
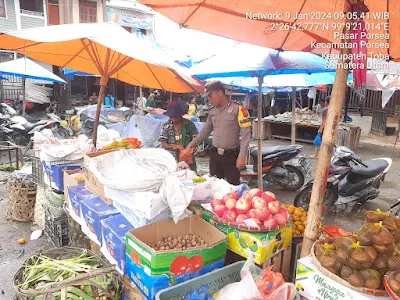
(353, 27)
(286, 24)
(104, 49)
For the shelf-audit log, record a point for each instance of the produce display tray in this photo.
(342, 281)
(245, 227)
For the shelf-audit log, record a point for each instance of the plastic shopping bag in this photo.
(286, 291)
(318, 140)
(246, 288)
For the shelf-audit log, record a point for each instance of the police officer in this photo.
(230, 125)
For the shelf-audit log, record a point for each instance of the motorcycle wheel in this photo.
(303, 198)
(298, 178)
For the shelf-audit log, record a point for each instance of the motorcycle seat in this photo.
(28, 126)
(374, 167)
(266, 151)
(32, 119)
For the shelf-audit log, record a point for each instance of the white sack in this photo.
(149, 204)
(176, 194)
(133, 170)
(105, 136)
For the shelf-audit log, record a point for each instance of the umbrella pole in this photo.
(23, 95)
(293, 139)
(260, 127)
(103, 85)
(321, 173)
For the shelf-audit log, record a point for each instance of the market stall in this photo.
(307, 125)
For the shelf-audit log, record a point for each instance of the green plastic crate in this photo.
(216, 280)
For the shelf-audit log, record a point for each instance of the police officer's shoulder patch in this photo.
(243, 117)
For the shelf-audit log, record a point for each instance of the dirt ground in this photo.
(12, 255)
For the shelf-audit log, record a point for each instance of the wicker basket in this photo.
(21, 200)
(64, 253)
(378, 293)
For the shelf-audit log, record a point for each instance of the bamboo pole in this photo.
(293, 139)
(260, 127)
(103, 85)
(321, 174)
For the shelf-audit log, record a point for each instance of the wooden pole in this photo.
(293, 139)
(260, 129)
(24, 95)
(329, 137)
(103, 85)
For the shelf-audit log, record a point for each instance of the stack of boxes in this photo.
(129, 248)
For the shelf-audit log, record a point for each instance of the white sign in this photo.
(131, 18)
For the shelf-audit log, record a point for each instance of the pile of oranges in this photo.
(299, 219)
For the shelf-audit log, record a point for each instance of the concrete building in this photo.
(76, 11)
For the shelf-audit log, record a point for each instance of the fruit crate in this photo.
(215, 280)
(56, 227)
(37, 170)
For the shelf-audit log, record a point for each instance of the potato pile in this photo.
(184, 242)
(364, 259)
(394, 283)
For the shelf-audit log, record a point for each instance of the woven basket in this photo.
(342, 281)
(64, 253)
(386, 278)
(21, 200)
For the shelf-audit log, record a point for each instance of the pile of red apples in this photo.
(254, 206)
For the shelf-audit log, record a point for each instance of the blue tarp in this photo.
(72, 73)
(254, 61)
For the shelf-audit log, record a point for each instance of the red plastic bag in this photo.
(186, 157)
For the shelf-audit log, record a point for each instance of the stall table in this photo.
(347, 135)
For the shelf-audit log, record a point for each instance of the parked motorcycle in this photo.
(350, 179)
(20, 131)
(282, 166)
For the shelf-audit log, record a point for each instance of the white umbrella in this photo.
(25, 68)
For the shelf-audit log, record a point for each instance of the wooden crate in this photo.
(285, 262)
(130, 291)
(266, 131)
(349, 137)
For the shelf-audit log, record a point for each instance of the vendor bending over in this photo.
(177, 133)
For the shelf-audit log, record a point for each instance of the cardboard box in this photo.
(94, 210)
(91, 181)
(56, 173)
(76, 194)
(153, 271)
(263, 245)
(314, 285)
(114, 230)
(70, 180)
